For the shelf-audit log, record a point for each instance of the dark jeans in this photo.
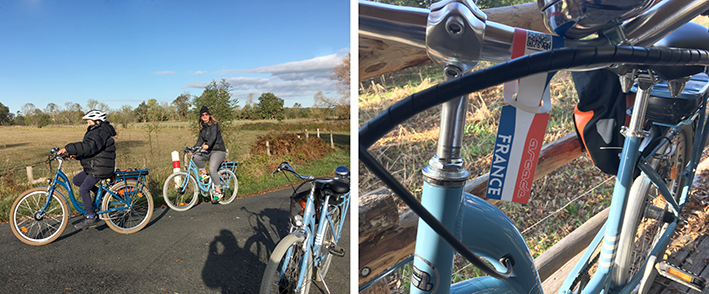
(86, 183)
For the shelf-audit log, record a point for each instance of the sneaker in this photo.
(88, 222)
(216, 197)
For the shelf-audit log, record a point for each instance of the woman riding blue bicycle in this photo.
(97, 153)
(213, 148)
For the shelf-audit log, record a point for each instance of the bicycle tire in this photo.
(31, 230)
(284, 276)
(134, 218)
(229, 185)
(643, 225)
(328, 240)
(180, 200)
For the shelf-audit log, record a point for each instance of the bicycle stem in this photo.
(407, 25)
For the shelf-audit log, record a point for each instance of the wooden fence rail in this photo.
(385, 237)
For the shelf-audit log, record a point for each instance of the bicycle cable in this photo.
(552, 60)
(408, 198)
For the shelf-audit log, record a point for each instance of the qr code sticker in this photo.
(538, 41)
(558, 21)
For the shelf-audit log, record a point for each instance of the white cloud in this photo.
(162, 73)
(294, 81)
(318, 67)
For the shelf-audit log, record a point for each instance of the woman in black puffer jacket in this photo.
(212, 148)
(97, 153)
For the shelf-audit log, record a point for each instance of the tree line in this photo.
(217, 96)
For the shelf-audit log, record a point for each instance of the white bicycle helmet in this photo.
(95, 115)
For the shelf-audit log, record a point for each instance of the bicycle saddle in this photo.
(332, 184)
(690, 35)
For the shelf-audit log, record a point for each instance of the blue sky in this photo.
(125, 52)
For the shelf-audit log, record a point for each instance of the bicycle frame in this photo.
(445, 199)
(193, 171)
(314, 240)
(62, 180)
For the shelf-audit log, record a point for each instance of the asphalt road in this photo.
(207, 249)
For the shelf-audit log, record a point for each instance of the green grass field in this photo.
(150, 146)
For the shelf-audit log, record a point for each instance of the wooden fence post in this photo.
(318, 132)
(30, 175)
(332, 143)
(306, 134)
(268, 149)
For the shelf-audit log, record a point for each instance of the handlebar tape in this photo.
(547, 61)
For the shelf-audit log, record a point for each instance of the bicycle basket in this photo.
(298, 201)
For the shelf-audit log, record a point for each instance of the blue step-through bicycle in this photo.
(317, 217)
(182, 189)
(40, 215)
(651, 46)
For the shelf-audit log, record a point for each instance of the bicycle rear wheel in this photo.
(180, 191)
(327, 243)
(647, 214)
(284, 266)
(229, 185)
(129, 211)
(34, 228)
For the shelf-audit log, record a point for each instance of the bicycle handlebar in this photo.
(547, 61)
(285, 167)
(407, 25)
(53, 154)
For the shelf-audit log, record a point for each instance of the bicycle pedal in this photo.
(337, 251)
(681, 276)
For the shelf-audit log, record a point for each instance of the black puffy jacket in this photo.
(212, 136)
(97, 151)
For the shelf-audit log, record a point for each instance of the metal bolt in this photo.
(451, 71)
(455, 25)
(365, 271)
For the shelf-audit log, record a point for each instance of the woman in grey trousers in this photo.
(213, 148)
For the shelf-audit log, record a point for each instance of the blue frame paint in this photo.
(488, 232)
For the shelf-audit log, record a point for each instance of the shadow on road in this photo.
(230, 267)
(157, 218)
(234, 267)
(269, 226)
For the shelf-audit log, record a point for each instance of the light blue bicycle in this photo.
(40, 215)
(663, 141)
(317, 216)
(182, 189)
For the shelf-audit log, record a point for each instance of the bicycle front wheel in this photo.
(130, 209)
(647, 214)
(284, 267)
(30, 224)
(229, 185)
(180, 191)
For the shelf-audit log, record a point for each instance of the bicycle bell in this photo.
(575, 19)
(342, 171)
